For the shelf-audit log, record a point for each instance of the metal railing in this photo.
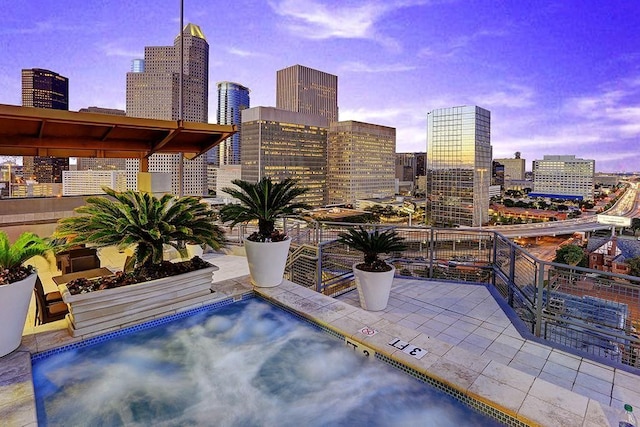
(593, 312)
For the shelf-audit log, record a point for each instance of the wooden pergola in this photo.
(28, 131)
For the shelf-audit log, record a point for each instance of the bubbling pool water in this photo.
(247, 364)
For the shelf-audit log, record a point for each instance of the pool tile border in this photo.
(140, 327)
(474, 404)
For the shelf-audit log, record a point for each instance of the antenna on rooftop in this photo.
(180, 95)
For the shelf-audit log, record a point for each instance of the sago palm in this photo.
(12, 256)
(264, 201)
(372, 245)
(144, 220)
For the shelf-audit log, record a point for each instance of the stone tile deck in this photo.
(472, 346)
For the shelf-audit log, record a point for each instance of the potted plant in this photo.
(150, 286)
(265, 201)
(16, 285)
(374, 277)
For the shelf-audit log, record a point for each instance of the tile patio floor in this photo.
(456, 322)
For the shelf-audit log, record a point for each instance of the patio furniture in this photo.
(78, 259)
(49, 306)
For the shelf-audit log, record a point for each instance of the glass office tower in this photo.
(458, 166)
(232, 99)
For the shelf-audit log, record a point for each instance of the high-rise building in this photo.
(283, 144)
(45, 170)
(409, 167)
(154, 93)
(45, 89)
(360, 161)
(458, 166)
(305, 90)
(512, 170)
(563, 177)
(232, 99)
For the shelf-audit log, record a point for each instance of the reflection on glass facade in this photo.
(232, 99)
(283, 144)
(360, 163)
(458, 166)
(564, 177)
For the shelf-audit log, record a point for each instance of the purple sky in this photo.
(558, 77)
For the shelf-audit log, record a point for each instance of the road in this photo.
(627, 206)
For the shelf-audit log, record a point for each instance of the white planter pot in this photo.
(110, 309)
(194, 250)
(267, 261)
(374, 288)
(15, 298)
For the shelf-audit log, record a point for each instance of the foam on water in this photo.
(248, 364)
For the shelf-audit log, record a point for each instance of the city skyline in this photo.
(561, 79)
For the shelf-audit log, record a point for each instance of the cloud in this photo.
(602, 125)
(359, 67)
(451, 48)
(313, 19)
(512, 96)
(41, 27)
(244, 53)
(113, 49)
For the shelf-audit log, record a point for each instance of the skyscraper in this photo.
(45, 89)
(232, 99)
(305, 90)
(360, 161)
(153, 92)
(283, 144)
(458, 166)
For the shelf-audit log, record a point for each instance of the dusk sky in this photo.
(558, 77)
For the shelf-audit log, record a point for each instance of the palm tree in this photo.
(372, 245)
(144, 220)
(264, 201)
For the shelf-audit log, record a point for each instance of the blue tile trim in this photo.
(140, 327)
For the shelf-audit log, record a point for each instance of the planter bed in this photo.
(106, 310)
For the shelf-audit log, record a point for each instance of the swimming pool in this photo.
(245, 364)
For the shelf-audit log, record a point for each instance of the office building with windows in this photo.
(305, 90)
(458, 166)
(360, 162)
(563, 177)
(284, 144)
(509, 170)
(153, 90)
(87, 182)
(45, 89)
